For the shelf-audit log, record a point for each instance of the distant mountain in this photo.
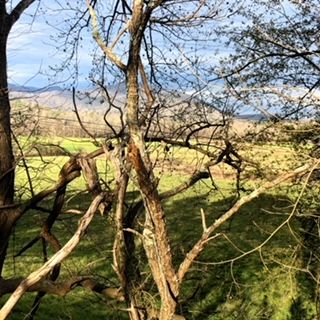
(15, 87)
(252, 117)
(30, 89)
(57, 98)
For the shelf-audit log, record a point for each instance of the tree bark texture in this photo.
(155, 241)
(7, 217)
(6, 154)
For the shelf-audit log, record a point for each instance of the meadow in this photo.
(248, 272)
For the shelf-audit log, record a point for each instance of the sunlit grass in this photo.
(257, 286)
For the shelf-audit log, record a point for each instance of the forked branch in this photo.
(57, 258)
(97, 37)
(203, 241)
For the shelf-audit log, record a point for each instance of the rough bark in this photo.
(7, 217)
(6, 155)
(155, 241)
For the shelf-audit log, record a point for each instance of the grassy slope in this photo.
(254, 287)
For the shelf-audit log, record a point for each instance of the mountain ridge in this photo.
(56, 97)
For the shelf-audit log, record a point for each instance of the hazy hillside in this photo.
(51, 110)
(57, 98)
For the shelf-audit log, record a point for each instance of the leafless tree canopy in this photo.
(161, 71)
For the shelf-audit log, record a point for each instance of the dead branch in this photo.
(199, 175)
(57, 258)
(70, 171)
(62, 288)
(83, 127)
(90, 173)
(203, 241)
(47, 286)
(49, 237)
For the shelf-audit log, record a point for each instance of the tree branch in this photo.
(57, 258)
(184, 186)
(62, 288)
(69, 172)
(203, 241)
(96, 35)
(19, 9)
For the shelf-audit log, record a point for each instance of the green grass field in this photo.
(262, 285)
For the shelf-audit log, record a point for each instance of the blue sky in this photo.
(31, 51)
(28, 55)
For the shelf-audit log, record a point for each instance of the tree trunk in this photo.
(6, 154)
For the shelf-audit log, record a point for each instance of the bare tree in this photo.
(149, 71)
(141, 17)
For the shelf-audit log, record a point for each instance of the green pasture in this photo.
(225, 283)
(71, 145)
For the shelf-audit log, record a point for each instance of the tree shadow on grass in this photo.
(245, 289)
(79, 305)
(259, 217)
(256, 286)
(93, 257)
